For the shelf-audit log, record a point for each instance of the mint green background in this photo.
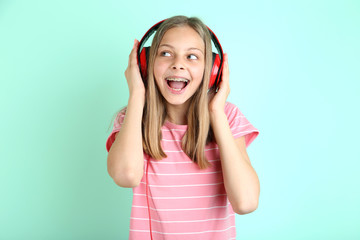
(294, 73)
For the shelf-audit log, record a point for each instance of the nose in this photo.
(178, 64)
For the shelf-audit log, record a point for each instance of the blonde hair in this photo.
(199, 132)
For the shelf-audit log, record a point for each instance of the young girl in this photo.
(181, 147)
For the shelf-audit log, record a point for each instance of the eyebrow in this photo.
(192, 48)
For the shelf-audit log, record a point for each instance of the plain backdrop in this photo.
(294, 73)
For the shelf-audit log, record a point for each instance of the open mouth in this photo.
(177, 84)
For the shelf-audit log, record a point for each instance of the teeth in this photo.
(176, 89)
(177, 79)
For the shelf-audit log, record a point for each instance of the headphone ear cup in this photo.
(143, 62)
(214, 70)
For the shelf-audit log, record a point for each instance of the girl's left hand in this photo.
(218, 99)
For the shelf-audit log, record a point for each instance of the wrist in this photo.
(137, 99)
(217, 115)
(214, 112)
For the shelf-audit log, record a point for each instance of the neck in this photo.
(177, 114)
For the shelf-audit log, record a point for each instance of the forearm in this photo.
(240, 179)
(125, 158)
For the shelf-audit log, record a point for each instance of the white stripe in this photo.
(232, 111)
(169, 130)
(173, 151)
(161, 161)
(183, 233)
(182, 174)
(244, 132)
(239, 117)
(193, 185)
(240, 126)
(171, 140)
(206, 149)
(205, 220)
(139, 194)
(179, 209)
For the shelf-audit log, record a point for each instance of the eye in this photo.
(165, 54)
(192, 57)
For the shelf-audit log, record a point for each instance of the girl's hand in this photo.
(133, 76)
(218, 99)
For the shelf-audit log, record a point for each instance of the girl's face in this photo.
(179, 64)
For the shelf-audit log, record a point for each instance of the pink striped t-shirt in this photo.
(185, 202)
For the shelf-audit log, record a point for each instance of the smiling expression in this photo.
(179, 64)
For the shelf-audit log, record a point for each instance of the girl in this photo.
(181, 147)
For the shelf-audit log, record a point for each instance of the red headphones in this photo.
(143, 56)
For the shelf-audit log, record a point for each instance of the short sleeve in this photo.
(116, 128)
(239, 124)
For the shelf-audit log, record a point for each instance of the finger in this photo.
(133, 53)
(225, 71)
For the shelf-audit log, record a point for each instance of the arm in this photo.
(240, 179)
(125, 161)
(125, 158)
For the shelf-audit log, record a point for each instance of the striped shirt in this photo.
(185, 202)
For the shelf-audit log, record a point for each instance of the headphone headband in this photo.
(148, 35)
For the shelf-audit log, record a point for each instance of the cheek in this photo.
(158, 69)
(198, 73)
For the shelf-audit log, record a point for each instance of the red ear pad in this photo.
(215, 71)
(143, 63)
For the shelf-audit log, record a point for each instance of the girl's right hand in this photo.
(133, 76)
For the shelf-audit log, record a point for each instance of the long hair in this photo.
(199, 132)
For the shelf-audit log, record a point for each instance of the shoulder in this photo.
(119, 119)
(121, 112)
(229, 105)
(231, 109)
